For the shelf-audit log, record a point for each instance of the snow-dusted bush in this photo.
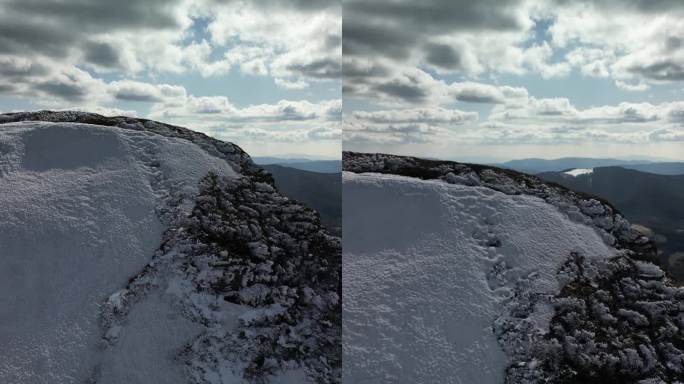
(615, 320)
(257, 249)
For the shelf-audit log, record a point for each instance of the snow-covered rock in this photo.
(463, 273)
(139, 252)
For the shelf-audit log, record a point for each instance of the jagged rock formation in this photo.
(611, 319)
(253, 275)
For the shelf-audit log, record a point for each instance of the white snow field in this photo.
(579, 171)
(80, 215)
(428, 267)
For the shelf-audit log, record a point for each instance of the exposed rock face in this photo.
(254, 270)
(616, 319)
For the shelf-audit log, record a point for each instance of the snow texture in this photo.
(105, 275)
(464, 273)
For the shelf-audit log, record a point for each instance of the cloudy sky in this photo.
(265, 74)
(492, 80)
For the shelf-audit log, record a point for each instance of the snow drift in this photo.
(458, 273)
(137, 252)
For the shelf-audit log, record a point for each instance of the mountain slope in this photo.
(654, 201)
(672, 168)
(322, 166)
(461, 273)
(320, 191)
(534, 166)
(135, 251)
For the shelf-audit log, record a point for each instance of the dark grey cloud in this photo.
(20, 35)
(333, 41)
(102, 54)
(61, 89)
(634, 115)
(363, 38)
(394, 31)
(299, 5)
(443, 56)
(7, 89)
(353, 70)
(209, 110)
(98, 14)
(68, 29)
(551, 112)
(21, 70)
(655, 6)
(326, 68)
(663, 70)
(412, 93)
(432, 116)
(54, 28)
(649, 5)
(349, 89)
(292, 113)
(439, 15)
(673, 43)
(132, 94)
(391, 28)
(665, 134)
(474, 97)
(676, 115)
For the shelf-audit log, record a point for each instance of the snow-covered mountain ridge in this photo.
(140, 252)
(230, 152)
(472, 273)
(590, 209)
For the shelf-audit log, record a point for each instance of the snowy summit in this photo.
(463, 273)
(138, 252)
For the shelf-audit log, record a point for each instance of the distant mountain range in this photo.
(651, 200)
(534, 166)
(659, 168)
(324, 166)
(317, 190)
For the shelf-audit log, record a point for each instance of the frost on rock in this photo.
(614, 321)
(268, 254)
